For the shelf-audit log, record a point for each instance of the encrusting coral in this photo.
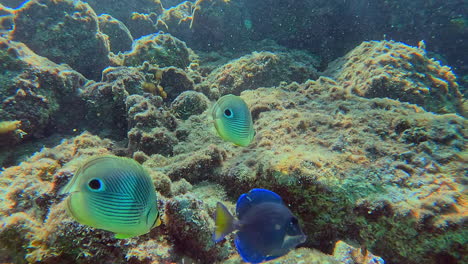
(160, 49)
(120, 38)
(10, 130)
(357, 156)
(37, 91)
(398, 71)
(259, 69)
(64, 31)
(10, 126)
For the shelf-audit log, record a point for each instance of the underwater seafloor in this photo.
(364, 140)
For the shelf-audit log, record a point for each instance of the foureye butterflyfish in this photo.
(114, 194)
(233, 120)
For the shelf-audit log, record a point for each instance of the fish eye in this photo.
(95, 184)
(228, 113)
(294, 221)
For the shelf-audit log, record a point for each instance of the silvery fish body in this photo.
(115, 194)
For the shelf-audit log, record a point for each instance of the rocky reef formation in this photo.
(344, 180)
(37, 92)
(371, 150)
(151, 128)
(401, 72)
(329, 28)
(120, 38)
(64, 31)
(259, 69)
(189, 103)
(108, 100)
(160, 49)
(138, 15)
(105, 100)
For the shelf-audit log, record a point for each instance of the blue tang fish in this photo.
(266, 228)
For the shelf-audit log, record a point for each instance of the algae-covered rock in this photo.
(120, 38)
(142, 24)
(170, 3)
(105, 100)
(29, 203)
(190, 103)
(37, 92)
(138, 15)
(160, 49)
(259, 69)
(348, 169)
(175, 81)
(190, 225)
(177, 20)
(347, 254)
(151, 128)
(6, 18)
(398, 71)
(64, 31)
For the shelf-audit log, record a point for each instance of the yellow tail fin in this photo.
(224, 222)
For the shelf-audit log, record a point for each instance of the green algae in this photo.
(10, 68)
(399, 239)
(9, 63)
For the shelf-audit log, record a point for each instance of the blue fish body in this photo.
(266, 228)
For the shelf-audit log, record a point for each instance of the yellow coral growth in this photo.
(154, 89)
(11, 127)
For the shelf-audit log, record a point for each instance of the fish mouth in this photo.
(293, 241)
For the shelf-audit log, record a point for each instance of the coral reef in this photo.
(372, 158)
(105, 100)
(138, 15)
(398, 71)
(160, 49)
(195, 238)
(120, 39)
(37, 92)
(189, 103)
(151, 128)
(64, 31)
(175, 81)
(10, 132)
(259, 69)
(142, 24)
(349, 255)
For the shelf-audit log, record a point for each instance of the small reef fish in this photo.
(266, 228)
(115, 194)
(233, 120)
